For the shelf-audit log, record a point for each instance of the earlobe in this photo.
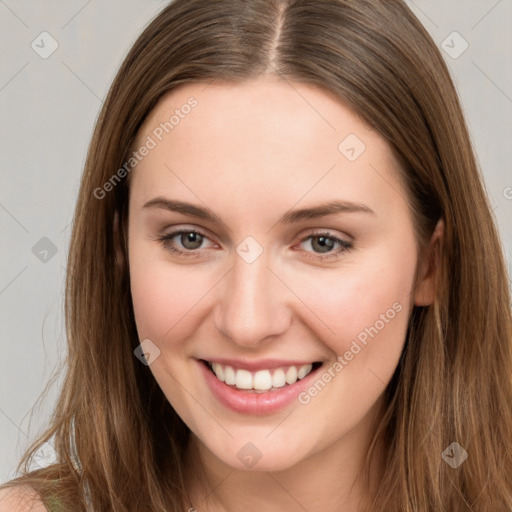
(118, 242)
(425, 289)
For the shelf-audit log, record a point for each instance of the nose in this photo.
(252, 304)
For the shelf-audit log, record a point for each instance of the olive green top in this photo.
(54, 505)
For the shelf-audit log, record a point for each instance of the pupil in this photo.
(191, 238)
(324, 243)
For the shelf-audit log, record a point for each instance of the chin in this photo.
(260, 454)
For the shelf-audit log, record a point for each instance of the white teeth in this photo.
(219, 371)
(291, 375)
(243, 379)
(229, 375)
(304, 370)
(278, 379)
(262, 380)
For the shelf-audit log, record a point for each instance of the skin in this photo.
(251, 152)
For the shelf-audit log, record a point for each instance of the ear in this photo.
(118, 242)
(425, 288)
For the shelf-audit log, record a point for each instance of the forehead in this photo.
(283, 140)
(261, 108)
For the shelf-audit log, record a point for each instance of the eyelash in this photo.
(345, 246)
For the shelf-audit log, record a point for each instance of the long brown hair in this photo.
(453, 382)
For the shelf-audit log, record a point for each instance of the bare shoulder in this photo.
(20, 499)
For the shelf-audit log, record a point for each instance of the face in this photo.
(275, 321)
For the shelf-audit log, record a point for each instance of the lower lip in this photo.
(254, 403)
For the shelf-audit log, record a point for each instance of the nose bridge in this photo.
(251, 306)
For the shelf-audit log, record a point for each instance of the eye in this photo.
(324, 243)
(190, 240)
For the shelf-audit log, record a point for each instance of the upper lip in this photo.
(262, 364)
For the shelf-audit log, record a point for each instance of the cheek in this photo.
(364, 303)
(166, 297)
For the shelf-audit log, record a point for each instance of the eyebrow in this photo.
(290, 217)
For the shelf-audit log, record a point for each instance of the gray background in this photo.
(48, 109)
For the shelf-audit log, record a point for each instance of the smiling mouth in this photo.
(261, 381)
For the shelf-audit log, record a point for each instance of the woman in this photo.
(285, 287)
